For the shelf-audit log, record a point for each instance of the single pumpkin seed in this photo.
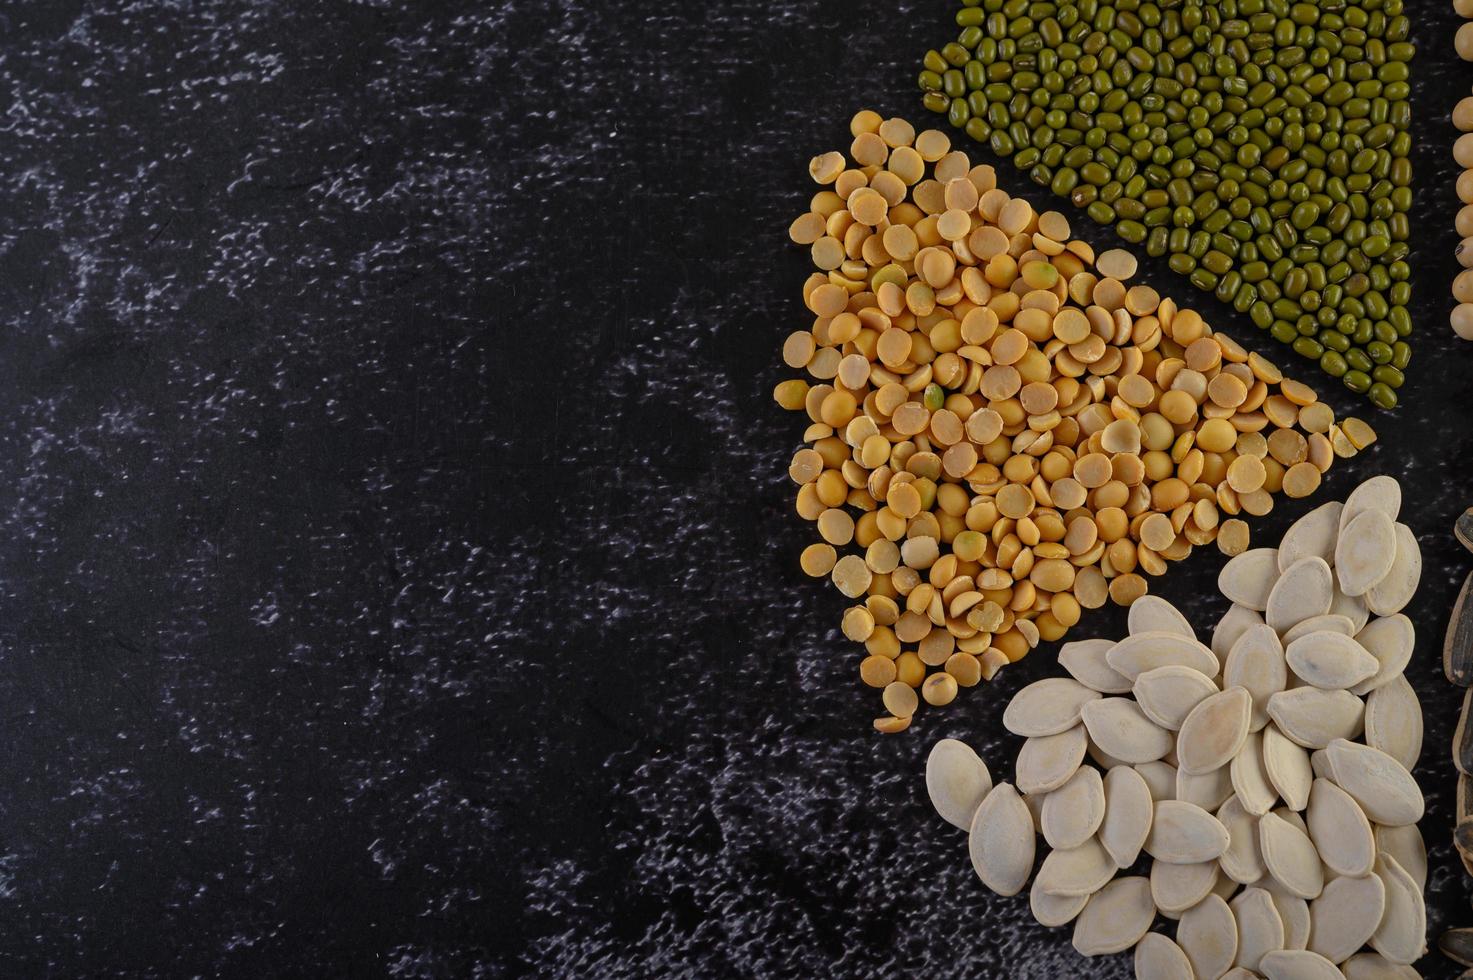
(1305, 589)
(1298, 964)
(1331, 661)
(1141, 652)
(1177, 887)
(1293, 910)
(1256, 662)
(1054, 910)
(1330, 621)
(1313, 534)
(1379, 493)
(1046, 762)
(1457, 645)
(1184, 833)
(1128, 812)
(1345, 915)
(1382, 786)
(1402, 935)
(1047, 707)
(957, 781)
(1081, 870)
(1364, 553)
(1208, 934)
(1289, 856)
(1103, 759)
(1153, 614)
(1001, 841)
(1160, 777)
(1158, 958)
(1374, 966)
(1233, 624)
(1072, 813)
(1116, 917)
(1208, 790)
(1256, 794)
(1260, 930)
(1118, 726)
(1392, 593)
(1390, 641)
(1242, 861)
(1085, 660)
(1214, 731)
(1249, 578)
(1314, 718)
(1406, 846)
(1168, 694)
(1319, 761)
(1394, 721)
(1287, 766)
(1352, 608)
(1340, 832)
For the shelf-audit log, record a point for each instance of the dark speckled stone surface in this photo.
(399, 573)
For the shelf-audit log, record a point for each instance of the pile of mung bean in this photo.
(1002, 431)
(1261, 144)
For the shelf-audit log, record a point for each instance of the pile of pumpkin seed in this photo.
(1267, 777)
(1261, 144)
(1003, 431)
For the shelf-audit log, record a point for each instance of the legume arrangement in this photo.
(1261, 145)
(1003, 432)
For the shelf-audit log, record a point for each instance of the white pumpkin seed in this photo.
(1374, 966)
(1208, 934)
(1295, 818)
(1047, 707)
(1331, 661)
(1256, 663)
(1085, 659)
(1072, 813)
(1103, 759)
(1256, 794)
(1331, 622)
(1319, 761)
(1214, 731)
(1045, 763)
(1364, 553)
(1406, 846)
(1313, 534)
(1128, 812)
(1382, 786)
(1118, 727)
(1314, 718)
(1394, 721)
(1242, 861)
(1116, 917)
(1160, 777)
(1168, 694)
(1402, 935)
(1260, 930)
(1184, 833)
(1248, 578)
(1352, 608)
(1298, 964)
(1140, 652)
(1289, 856)
(1392, 593)
(1054, 910)
(1305, 589)
(1287, 766)
(1293, 910)
(1001, 841)
(1153, 614)
(1340, 831)
(1177, 887)
(1345, 915)
(1381, 493)
(1390, 641)
(1081, 870)
(1233, 624)
(1158, 958)
(957, 781)
(1226, 887)
(1208, 790)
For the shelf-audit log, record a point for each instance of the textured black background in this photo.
(399, 570)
